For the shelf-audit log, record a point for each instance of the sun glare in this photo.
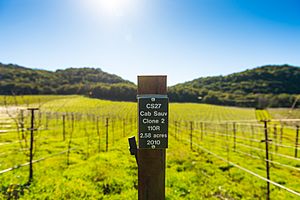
(109, 8)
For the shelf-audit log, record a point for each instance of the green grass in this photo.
(205, 112)
(262, 115)
(30, 99)
(190, 174)
(285, 113)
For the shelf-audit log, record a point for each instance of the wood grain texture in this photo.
(152, 162)
(152, 85)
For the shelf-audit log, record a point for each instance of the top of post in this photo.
(152, 84)
(32, 108)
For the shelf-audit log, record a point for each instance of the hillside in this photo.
(267, 86)
(92, 82)
(272, 85)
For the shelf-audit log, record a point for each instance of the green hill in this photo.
(91, 82)
(267, 86)
(272, 85)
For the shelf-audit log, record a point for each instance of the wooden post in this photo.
(22, 126)
(72, 119)
(201, 128)
(227, 143)
(267, 157)
(275, 137)
(198, 131)
(106, 134)
(70, 140)
(296, 141)
(180, 132)
(124, 127)
(64, 126)
(98, 134)
(32, 129)
(113, 131)
(151, 162)
(234, 136)
(281, 133)
(175, 123)
(252, 138)
(191, 135)
(47, 121)
(88, 142)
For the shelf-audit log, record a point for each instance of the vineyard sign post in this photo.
(153, 136)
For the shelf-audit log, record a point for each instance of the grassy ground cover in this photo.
(94, 173)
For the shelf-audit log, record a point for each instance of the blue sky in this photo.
(183, 39)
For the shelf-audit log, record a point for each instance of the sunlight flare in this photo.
(110, 8)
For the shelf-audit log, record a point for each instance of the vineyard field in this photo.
(80, 150)
(285, 113)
